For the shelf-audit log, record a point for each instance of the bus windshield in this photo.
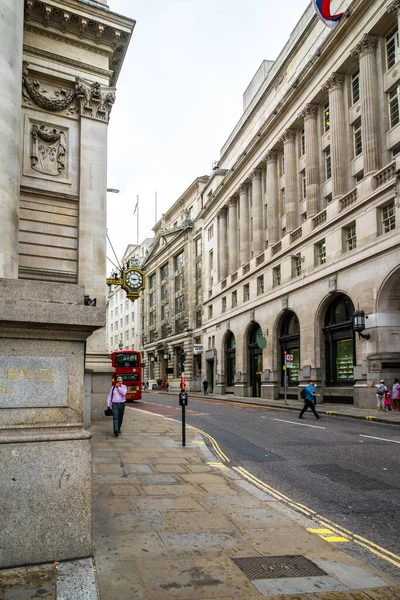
(130, 377)
(126, 360)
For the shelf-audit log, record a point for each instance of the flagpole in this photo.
(137, 206)
(155, 207)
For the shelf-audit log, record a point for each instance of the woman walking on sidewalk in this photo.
(117, 400)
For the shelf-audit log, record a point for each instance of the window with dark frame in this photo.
(357, 138)
(394, 109)
(350, 236)
(392, 48)
(388, 217)
(321, 252)
(328, 164)
(327, 118)
(355, 86)
(276, 276)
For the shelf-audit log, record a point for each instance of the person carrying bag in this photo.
(116, 401)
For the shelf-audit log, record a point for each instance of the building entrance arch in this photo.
(340, 342)
(289, 341)
(256, 359)
(230, 359)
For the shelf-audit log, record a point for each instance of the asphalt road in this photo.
(344, 469)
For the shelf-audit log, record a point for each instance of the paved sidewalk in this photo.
(338, 410)
(170, 522)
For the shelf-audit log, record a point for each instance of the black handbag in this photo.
(108, 412)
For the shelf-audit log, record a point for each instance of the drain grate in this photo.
(275, 567)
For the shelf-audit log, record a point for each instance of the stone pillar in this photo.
(312, 159)
(338, 134)
(369, 95)
(272, 197)
(258, 217)
(223, 244)
(12, 16)
(292, 200)
(233, 235)
(244, 225)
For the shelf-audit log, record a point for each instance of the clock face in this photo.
(134, 280)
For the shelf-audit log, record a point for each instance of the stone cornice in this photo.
(76, 64)
(97, 29)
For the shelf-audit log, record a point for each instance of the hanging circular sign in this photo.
(262, 342)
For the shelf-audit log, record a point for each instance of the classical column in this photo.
(244, 225)
(310, 114)
(12, 16)
(338, 133)
(258, 217)
(233, 235)
(369, 95)
(272, 197)
(223, 244)
(292, 200)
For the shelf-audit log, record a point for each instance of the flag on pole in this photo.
(323, 10)
(136, 207)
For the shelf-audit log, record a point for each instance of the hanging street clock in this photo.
(131, 280)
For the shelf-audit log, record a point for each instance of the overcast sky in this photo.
(180, 94)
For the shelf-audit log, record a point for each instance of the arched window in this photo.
(339, 342)
(230, 353)
(290, 343)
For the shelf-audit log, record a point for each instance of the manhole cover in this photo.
(274, 567)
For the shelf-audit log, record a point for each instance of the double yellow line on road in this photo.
(332, 532)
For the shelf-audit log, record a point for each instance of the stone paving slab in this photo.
(176, 540)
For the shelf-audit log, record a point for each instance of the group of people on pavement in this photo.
(386, 399)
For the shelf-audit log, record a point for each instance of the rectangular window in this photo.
(112, 328)
(296, 266)
(395, 151)
(210, 232)
(260, 285)
(126, 319)
(276, 276)
(359, 176)
(198, 271)
(180, 261)
(199, 298)
(198, 318)
(350, 234)
(246, 292)
(210, 311)
(355, 86)
(283, 201)
(211, 260)
(357, 138)
(164, 272)
(224, 304)
(327, 118)
(394, 96)
(234, 299)
(303, 142)
(165, 312)
(328, 164)
(179, 304)
(112, 314)
(152, 317)
(153, 299)
(153, 280)
(303, 185)
(388, 218)
(198, 247)
(179, 282)
(164, 291)
(392, 48)
(321, 253)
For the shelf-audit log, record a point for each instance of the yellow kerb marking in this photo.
(370, 418)
(320, 531)
(330, 412)
(334, 538)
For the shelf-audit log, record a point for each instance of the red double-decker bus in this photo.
(128, 365)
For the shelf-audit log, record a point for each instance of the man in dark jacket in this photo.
(205, 387)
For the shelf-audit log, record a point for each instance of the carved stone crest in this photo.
(48, 151)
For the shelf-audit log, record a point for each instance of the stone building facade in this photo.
(59, 61)
(305, 221)
(172, 300)
(124, 317)
(300, 222)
